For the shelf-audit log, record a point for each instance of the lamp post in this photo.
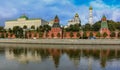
(116, 33)
(24, 32)
(62, 31)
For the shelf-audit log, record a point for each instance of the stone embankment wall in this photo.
(63, 41)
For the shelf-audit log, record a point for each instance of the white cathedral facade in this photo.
(75, 20)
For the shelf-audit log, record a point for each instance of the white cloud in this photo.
(47, 9)
(7, 12)
(116, 15)
(100, 9)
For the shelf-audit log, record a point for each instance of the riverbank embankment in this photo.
(62, 41)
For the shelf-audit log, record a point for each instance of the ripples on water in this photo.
(59, 59)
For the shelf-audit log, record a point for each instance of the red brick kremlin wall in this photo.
(55, 31)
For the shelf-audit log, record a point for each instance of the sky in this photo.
(65, 9)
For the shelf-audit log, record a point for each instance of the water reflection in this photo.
(67, 59)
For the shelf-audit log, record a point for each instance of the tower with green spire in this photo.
(104, 26)
(104, 22)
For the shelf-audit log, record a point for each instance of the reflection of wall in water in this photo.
(75, 55)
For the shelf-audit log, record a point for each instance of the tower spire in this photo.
(56, 22)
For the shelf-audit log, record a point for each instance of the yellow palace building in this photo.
(25, 21)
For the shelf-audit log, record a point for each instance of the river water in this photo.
(37, 58)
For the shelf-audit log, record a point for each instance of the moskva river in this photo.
(37, 58)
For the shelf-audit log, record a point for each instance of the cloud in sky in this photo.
(65, 9)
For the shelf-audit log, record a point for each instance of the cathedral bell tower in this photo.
(90, 16)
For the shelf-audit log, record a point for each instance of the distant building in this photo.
(25, 21)
(90, 16)
(51, 23)
(75, 20)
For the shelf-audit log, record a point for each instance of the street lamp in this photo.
(62, 31)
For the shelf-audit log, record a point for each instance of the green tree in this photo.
(41, 34)
(112, 34)
(2, 35)
(73, 28)
(52, 35)
(87, 27)
(46, 28)
(46, 34)
(35, 34)
(64, 34)
(18, 31)
(6, 35)
(58, 35)
(91, 34)
(112, 26)
(24, 27)
(10, 30)
(33, 27)
(98, 34)
(71, 34)
(96, 26)
(118, 34)
(78, 35)
(85, 35)
(1, 28)
(105, 34)
(118, 26)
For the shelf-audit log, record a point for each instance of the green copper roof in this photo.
(76, 15)
(24, 16)
(104, 16)
(56, 17)
(90, 8)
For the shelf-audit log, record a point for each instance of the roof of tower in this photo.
(24, 16)
(90, 8)
(104, 16)
(104, 22)
(56, 17)
(76, 15)
(56, 22)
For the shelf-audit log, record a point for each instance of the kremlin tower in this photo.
(104, 26)
(56, 22)
(56, 31)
